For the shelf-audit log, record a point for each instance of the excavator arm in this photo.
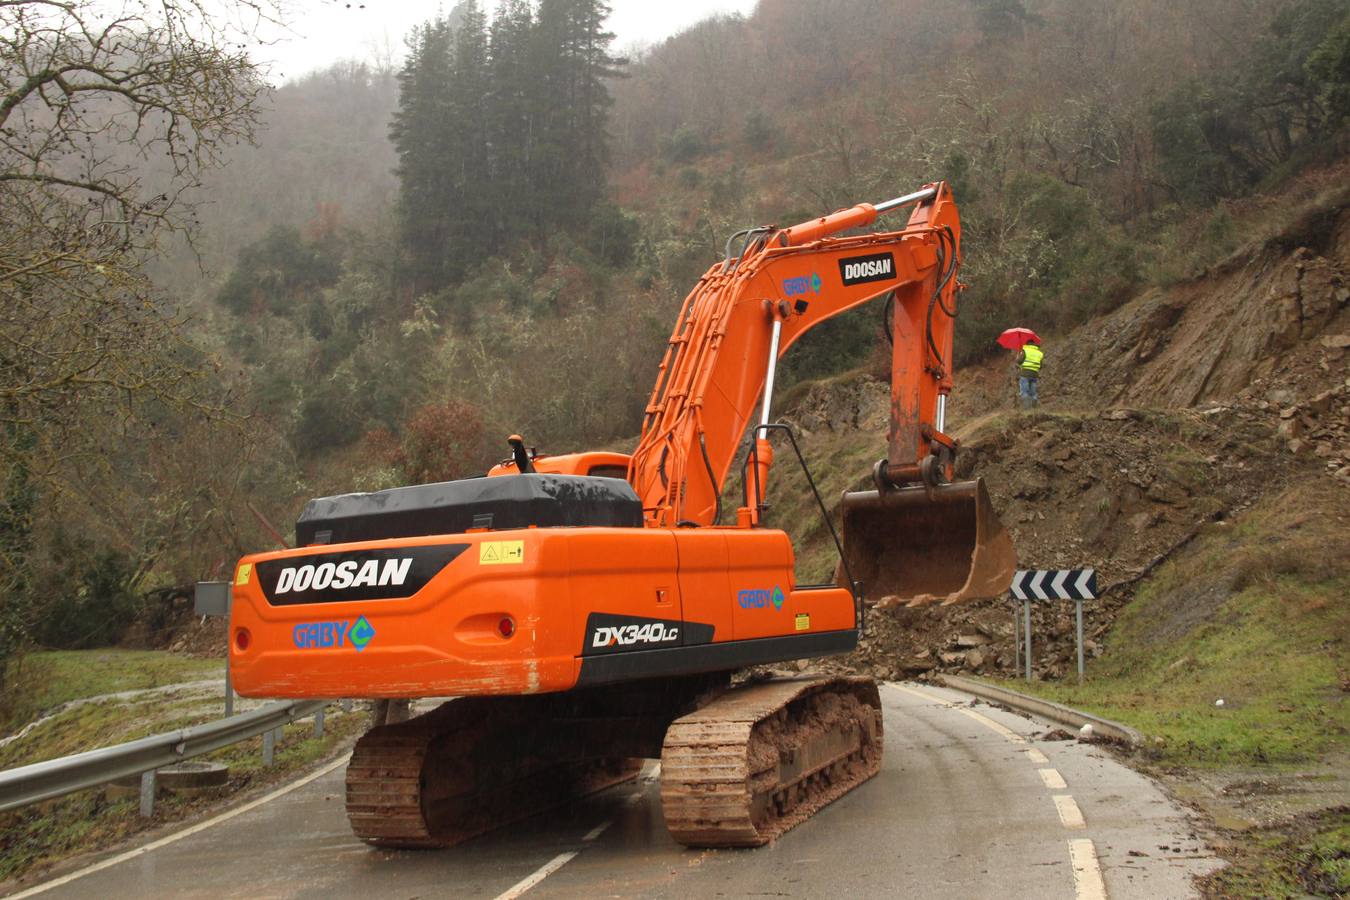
(749, 309)
(916, 536)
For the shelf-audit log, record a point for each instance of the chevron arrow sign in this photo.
(1055, 584)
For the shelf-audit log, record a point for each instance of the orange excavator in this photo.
(586, 611)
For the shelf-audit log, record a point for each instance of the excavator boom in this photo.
(940, 541)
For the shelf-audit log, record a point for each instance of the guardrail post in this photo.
(269, 745)
(147, 794)
(318, 723)
(229, 686)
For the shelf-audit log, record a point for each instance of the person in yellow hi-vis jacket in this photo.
(1029, 360)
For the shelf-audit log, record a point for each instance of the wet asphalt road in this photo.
(965, 806)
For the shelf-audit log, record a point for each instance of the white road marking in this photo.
(1087, 872)
(1069, 813)
(918, 693)
(538, 875)
(597, 830)
(179, 835)
(984, 720)
(1007, 733)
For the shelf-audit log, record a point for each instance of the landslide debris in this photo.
(1119, 490)
(1183, 408)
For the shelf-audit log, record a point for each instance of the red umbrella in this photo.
(1014, 338)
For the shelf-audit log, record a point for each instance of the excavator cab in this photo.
(918, 545)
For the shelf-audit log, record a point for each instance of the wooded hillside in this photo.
(494, 235)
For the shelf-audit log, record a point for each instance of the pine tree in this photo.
(572, 109)
(511, 129)
(417, 129)
(465, 145)
(593, 64)
(500, 132)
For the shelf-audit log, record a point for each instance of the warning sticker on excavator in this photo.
(501, 553)
(803, 622)
(245, 570)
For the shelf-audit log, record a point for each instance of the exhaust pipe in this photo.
(916, 546)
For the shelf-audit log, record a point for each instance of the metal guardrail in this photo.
(58, 777)
(1047, 709)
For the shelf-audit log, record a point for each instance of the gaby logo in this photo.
(862, 269)
(361, 633)
(333, 635)
(795, 287)
(758, 598)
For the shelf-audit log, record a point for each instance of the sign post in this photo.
(1026, 631)
(1043, 585)
(212, 598)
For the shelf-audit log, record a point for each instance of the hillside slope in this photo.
(1187, 408)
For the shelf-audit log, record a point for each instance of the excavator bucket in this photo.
(914, 547)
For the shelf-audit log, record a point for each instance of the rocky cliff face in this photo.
(1270, 315)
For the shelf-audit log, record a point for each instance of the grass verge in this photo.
(1308, 857)
(90, 820)
(41, 681)
(1253, 615)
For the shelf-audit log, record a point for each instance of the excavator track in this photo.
(761, 759)
(462, 770)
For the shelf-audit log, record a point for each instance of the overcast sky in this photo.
(327, 30)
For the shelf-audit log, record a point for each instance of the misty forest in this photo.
(221, 296)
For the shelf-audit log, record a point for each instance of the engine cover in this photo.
(453, 507)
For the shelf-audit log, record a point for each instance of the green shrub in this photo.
(613, 235)
(326, 421)
(683, 145)
(761, 134)
(94, 605)
(274, 273)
